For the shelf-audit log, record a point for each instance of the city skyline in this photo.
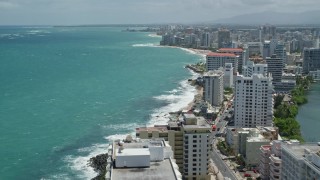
(77, 12)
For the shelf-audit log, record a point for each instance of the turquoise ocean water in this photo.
(67, 91)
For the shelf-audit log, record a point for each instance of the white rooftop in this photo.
(133, 152)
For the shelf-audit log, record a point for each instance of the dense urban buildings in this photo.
(257, 62)
(224, 39)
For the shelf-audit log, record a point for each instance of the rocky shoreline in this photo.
(99, 164)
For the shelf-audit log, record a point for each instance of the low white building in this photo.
(247, 141)
(142, 159)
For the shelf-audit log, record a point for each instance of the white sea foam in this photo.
(196, 52)
(118, 136)
(128, 126)
(177, 100)
(145, 45)
(80, 165)
(154, 35)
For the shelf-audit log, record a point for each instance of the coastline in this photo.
(185, 88)
(308, 113)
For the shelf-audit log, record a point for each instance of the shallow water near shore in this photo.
(65, 92)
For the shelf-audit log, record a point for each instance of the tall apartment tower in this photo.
(311, 60)
(266, 49)
(275, 67)
(238, 52)
(195, 148)
(300, 161)
(213, 87)
(190, 142)
(224, 38)
(281, 53)
(253, 101)
(206, 39)
(214, 61)
(228, 76)
(251, 68)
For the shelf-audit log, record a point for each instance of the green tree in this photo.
(278, 100)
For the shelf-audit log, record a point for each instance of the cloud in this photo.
(7, 5)
(138, 11)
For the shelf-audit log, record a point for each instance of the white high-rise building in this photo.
(253, 101)
(213, 87)
(228, 75)
(251, 68)
(216, 60)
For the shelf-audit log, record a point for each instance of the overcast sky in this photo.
(73, 12)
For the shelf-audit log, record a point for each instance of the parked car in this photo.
(247, 175)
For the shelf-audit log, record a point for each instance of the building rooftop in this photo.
(266, 147)
(133, 152)
(212, 54)
(213, 73)
(230, 50)
(144, 159)
(157, 170)
(150, 129)
(299, 150)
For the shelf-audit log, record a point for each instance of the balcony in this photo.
(275, 172)
(275, 177)
(275, 161)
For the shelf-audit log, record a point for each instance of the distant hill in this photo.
(310, 17)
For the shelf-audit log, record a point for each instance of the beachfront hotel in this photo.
(190, 141)
(213, 87)
(253, 104)
(238, 52)
(214, 61)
